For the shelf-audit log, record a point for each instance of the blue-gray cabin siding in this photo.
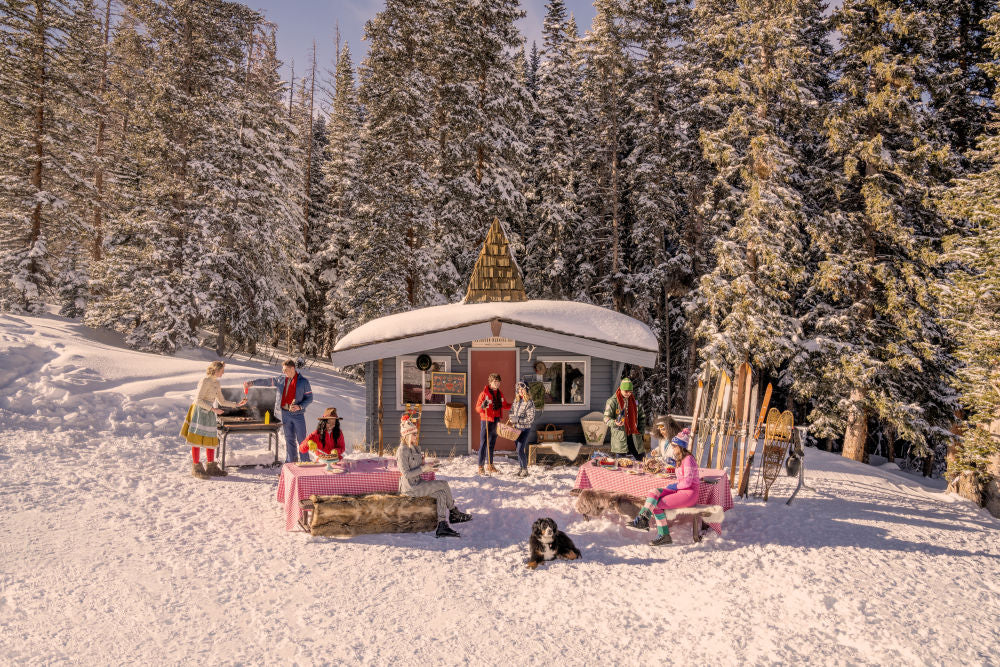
(435, 437)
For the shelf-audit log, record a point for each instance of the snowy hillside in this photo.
(111, 553)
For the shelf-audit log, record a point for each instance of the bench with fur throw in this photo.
(372, 513)
(593, 503)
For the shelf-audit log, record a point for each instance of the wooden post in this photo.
(380, 407)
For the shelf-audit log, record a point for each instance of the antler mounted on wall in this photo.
(530, 350)
(457, 352)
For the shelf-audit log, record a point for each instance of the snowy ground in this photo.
(111, 553)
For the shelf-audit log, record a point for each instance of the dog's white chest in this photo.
(548, 551)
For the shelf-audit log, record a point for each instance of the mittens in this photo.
(672, 487)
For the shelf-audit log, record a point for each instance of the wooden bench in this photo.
(594, 503)
(368, 514)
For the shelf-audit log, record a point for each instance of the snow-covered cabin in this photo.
(577, 352)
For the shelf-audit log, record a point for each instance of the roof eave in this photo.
(527, 333)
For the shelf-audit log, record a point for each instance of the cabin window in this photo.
(566, 381)
(414, 385)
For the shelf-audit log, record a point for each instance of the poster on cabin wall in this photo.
(448, 383)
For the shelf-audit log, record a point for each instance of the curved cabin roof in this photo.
(579, 328)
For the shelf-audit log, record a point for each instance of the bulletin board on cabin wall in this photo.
(449, 383)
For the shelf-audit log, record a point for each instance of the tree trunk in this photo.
(41, 63)
(856, 434)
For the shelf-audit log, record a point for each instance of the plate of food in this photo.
(608, 463)
(625, 463)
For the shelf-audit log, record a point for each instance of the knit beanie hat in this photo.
(626, 385)
(519, 386)
(682, 438)
(407, 426)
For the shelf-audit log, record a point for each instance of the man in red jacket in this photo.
(490, 406)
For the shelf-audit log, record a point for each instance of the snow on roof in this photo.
(581, 320)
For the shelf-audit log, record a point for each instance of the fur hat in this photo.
(626, 385)
(407, 426)
(519, 386)
(682, 438)
(330, 413)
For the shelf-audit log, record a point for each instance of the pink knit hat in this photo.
(682, 439)
(407, 426)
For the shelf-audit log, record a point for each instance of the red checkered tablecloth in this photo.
(367, 476)
(592, 476)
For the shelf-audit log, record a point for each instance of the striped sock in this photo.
(661, 524)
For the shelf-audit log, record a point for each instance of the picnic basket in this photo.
(550, 434)
(505, 430)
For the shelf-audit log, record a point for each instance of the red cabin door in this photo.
(482, 363)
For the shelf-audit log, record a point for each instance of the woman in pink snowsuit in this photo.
(682, 493)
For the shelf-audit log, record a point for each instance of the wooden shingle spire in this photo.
(496, 276)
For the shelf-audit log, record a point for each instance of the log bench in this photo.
(340, 516)
(594, 503)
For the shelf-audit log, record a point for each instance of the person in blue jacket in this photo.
(296, 395)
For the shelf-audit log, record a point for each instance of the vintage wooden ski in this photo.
(722, 422)
(699, 398)
(742, 431)
(748, 465)
(705, 443)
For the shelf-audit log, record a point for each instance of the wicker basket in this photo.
(550, 434)
(456, 416)
(508, 432)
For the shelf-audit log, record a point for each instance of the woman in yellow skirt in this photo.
(199, 427)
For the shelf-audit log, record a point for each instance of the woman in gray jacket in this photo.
(410, 461)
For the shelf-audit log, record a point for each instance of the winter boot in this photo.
(491, 469)
(444, 530)
(212, 469)
(198, 471)
(455, 516)
(640, 523)
(481, 472)
(523, 472)
(662, 540)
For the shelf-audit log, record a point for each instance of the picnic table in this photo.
(298, 482)
(713, 489)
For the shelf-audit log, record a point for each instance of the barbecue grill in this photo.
(249, 420)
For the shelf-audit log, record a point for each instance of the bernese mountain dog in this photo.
(547, 542)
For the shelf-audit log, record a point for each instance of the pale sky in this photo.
(301, 21)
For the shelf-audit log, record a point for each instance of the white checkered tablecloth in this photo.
(299, 482)
(592, 476)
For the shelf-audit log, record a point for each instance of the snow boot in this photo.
(640, 523)
(444, 530)
(491, 469)
(212, 469)
(481, 472)
(523, 472)
(198, 471)
(455, 516)
(662, 540)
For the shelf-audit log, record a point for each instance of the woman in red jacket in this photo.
(327, 436)
(490, 406)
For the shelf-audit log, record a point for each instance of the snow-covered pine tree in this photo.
(482, 108)
(254, 247)
(40, 157)
(768, 83)
(72, 281)
(603, 227)
(880, 352)
(972, 296)
(397, 192)
(550, 263)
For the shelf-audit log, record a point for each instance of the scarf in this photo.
(630, 411)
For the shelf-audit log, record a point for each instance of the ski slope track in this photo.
(111, 553)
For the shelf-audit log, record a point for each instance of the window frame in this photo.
(444, 360)
(587, 379)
